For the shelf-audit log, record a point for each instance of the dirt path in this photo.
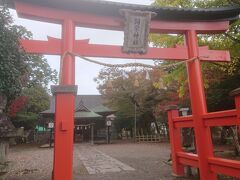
(99, 162)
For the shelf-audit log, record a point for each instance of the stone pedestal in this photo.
(4, 149)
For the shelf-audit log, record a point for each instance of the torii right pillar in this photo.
(199, 108)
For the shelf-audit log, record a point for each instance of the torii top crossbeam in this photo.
(111, 9)
(106, 15)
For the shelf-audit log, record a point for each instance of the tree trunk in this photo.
(187, 137)
(157, 128)
(234, 134)
(223, 135)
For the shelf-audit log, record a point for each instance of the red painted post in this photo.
(237, 104)
(236, 94)
(198, 104)
(64, 110)
(68, 64)
(63, 145)
(175, 140)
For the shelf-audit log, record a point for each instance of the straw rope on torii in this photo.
(123, 65)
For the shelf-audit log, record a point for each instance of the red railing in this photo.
(215, 164)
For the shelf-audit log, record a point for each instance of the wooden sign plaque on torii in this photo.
(105, 15)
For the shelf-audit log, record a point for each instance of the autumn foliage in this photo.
(17, 105)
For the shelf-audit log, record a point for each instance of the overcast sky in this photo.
(85, 71)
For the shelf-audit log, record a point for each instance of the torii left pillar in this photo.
(64, 107)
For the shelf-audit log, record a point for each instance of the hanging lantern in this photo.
(77, 127)
(125, 75)
(85, 127)
(161, 84)
(147, 76)
(136, 83)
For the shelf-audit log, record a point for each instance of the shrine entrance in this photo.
(84, 133)
(111, 16)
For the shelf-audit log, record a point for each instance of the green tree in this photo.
(39, 72)
(24, 78)
(219, 78)
(19, 70)
(13, 66)
(123, 90)
(37, 101)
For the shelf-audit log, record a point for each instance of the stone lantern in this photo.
(7, 131)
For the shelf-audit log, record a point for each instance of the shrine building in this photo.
(90, 115)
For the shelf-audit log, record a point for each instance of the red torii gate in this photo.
(105, 15)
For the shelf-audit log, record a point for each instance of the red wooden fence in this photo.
(215, 165)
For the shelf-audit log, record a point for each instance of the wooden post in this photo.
(198, 103)
(64, 108)
(92, 134)
(108, 134)
(175, 141)
(236, 94)
(64, 128)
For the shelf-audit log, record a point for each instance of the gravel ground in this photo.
(29, 162)
(33, 163)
